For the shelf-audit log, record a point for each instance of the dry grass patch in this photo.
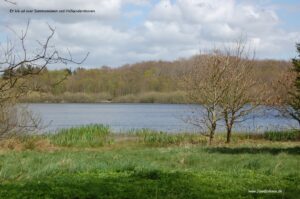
(37, 143)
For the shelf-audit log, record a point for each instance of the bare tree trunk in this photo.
(211, 137)
(229, 125)
(212, 132)
(228, 135)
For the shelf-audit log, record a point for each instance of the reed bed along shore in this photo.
(98, 135)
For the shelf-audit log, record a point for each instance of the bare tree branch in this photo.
(18, 64)
(11, 2)
(223, 84)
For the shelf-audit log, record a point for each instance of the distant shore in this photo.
(176, 97)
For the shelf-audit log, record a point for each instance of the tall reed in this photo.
(287, 135)
(86, 136)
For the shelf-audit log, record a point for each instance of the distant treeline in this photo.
(149, 82)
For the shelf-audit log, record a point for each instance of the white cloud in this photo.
(165, 30)
(166, 11)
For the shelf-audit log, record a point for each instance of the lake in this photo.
(124, 117)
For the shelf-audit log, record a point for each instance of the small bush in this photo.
(85, 136)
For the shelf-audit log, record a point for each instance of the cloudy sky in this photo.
(129, 31)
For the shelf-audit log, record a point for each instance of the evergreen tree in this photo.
(295, 96)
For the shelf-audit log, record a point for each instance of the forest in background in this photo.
(144, 82)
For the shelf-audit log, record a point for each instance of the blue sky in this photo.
(129, 31)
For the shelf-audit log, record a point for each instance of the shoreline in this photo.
(176, 97)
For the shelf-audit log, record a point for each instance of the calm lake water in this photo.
(124, 117)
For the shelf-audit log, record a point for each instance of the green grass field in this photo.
(147, 165)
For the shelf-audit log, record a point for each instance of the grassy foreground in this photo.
(146, 164)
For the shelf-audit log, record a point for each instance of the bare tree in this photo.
(244, 94)
(205, 85)
(223, 83)
(18, 64)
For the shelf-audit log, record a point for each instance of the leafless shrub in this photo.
(18, 119)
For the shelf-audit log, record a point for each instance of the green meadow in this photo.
(90, 162)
